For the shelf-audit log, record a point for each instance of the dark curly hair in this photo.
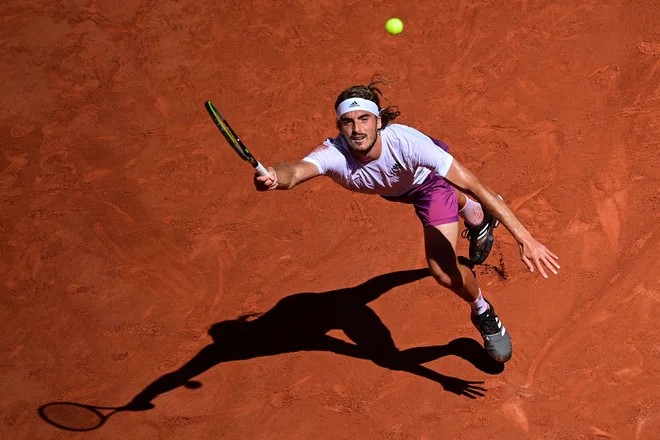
(371, 92)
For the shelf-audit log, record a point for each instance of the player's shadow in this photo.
(301, 322)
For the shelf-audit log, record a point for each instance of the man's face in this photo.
(360, 130)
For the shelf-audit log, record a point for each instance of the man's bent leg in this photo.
(440, 244)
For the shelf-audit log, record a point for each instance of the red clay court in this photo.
(132, 240)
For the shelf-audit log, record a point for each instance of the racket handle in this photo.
(261, 170)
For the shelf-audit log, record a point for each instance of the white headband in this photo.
(352, 104)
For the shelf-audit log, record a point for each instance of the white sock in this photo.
(472, 212)
(480, 305)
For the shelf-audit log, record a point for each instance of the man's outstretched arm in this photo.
(533, 253)
(286, 176)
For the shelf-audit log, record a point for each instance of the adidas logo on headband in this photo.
(352, 104)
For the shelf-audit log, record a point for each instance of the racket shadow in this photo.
(300, 322)
(77, 417)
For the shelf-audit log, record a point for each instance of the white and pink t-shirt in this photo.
(406, 160)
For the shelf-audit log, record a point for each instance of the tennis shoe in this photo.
(497, 341)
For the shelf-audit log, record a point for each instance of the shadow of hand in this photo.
(463, 387)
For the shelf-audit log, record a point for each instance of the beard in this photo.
(363, 148)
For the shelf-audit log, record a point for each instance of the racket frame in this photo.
(233, 139)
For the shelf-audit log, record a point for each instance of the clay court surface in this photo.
(132, 239)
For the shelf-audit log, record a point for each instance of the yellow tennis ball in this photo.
(394, 26)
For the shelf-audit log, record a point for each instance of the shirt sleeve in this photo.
(422, 152)
(326, 157)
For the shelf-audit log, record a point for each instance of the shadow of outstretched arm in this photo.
(375, 287)
(207, 358)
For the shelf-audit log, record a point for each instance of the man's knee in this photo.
(453, 277)
(450, 280)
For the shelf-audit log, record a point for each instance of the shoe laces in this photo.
(471, 231)
(487, 322)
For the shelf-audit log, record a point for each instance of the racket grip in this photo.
(260, 169)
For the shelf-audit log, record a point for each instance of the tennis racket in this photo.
(234, 140)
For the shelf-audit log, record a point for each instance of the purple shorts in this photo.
(434, 200)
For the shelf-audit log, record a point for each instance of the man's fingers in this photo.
(538, 256)
(554, 263)
(547, 262)
(541, 270)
